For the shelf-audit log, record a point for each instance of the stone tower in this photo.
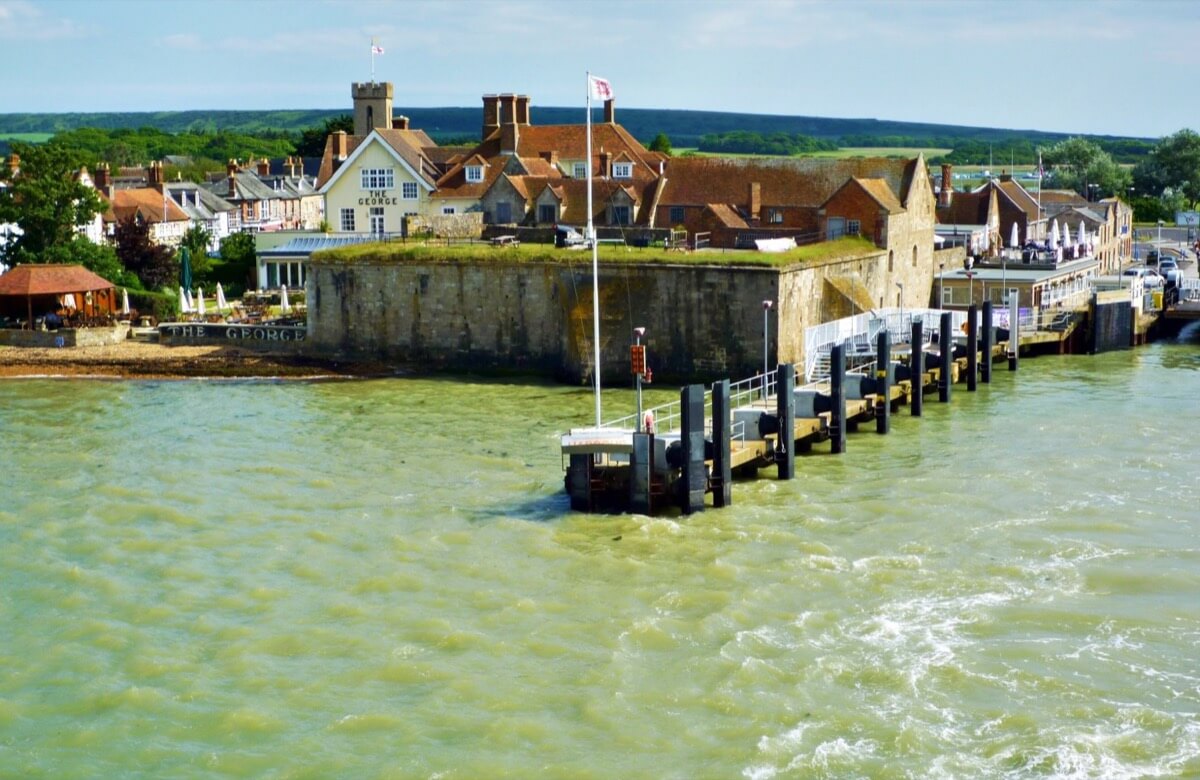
(372, 106)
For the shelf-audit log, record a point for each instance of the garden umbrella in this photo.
(1014, 238)
(283, 301)
(1054, 236)
(183, 302)
(221, 304)
(200, 301)
(125, 302)
(185, 268)
(1082, 233)
(190, 302)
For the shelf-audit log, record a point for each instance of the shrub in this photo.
(163, 306)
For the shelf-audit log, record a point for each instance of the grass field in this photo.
(32, 138)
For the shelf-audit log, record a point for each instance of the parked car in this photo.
(1150, 277)
(1168, 268)
(1152, 258)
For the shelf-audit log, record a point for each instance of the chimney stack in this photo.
(339, 145)
(947, 193)
(755, 200)
(491, 115)
(510, 132)
(101, 179)
(154, 174)
(264, 167)
(523, 110)
(400, 123)
(610, 111)
(231, 168)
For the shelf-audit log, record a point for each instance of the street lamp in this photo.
(941, 274)
(1160, 224)
(766, 343)
(901, 286)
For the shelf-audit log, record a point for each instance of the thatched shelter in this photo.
(32, 290)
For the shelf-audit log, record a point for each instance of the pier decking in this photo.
(681, 452)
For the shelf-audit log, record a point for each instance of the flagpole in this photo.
(591, 235)
(372, 60)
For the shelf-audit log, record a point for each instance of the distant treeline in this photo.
(746, 142)
(1000, 152)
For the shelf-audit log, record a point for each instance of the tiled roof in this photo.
(147, 202)
(306, 245)
(727, 215)
(37, 279)
(409, 145)
(1020, 196)
(878, 189)
(1062, 196)
(248, 187)
(209, 204)
(966, 208)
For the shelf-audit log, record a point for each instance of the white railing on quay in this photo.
(860, 331)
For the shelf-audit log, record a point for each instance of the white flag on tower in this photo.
(600, 88)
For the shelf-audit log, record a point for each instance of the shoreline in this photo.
(143, 360)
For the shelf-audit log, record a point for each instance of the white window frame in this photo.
(375, 220)
(447, 210)
(408, 190)
(346, 220)
(622, 170)
(474, 173)
(579, 170)
(375, 179)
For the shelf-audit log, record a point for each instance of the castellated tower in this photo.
(372, 106)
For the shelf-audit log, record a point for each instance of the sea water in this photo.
(383, 579)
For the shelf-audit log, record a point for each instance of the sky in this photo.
(1076, 66)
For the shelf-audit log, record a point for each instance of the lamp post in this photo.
(941, 274)
(766, 344)
(901, 326)
(1160, 224)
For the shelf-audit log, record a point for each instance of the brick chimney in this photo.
(510, 133)
(231, 169)
(14, 163)
(400, 123)
(491, 115)
(264, 167)
(154, 174)
(755, 200)
(610, 111)
(550, 157)
(340, 145)
(102, 177)
(508, 109)
(523, 110)
(605, 164)
(947, 194)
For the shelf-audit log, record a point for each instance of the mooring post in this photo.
(1014, 332)
(946, 362)
(695, 481)
(579, 482)
(722, 471)
(986, 371)
(916, 364)
(883, 383)
(639, 474)
(837, 392)
(972, 348)
(785, 407)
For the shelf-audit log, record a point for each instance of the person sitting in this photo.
(53, 321)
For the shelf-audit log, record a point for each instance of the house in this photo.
(258, 205)
(527, 174)
(213, 213)
(149, 204)
(1017, 207)
(373, 180)
(302, 207)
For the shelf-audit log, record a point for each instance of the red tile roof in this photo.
(146, 202)
(35, 279)
(409, 145)
(880, 192)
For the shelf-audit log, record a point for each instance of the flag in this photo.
(376, 49)
(600, 88)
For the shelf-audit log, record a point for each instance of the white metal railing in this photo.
(861, 330)
(1189, 289)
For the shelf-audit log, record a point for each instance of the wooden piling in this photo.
(988, 334)
(785, 402)
(946, 362)
(972, 348)
(837, 392)
(916, 365)
(722, 469)
(694, 480)
(883, 384)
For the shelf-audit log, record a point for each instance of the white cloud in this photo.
(21, 20)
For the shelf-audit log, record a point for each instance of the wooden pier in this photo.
(709, 438)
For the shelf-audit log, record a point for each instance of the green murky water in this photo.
(381, 579)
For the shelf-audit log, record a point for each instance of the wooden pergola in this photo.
(44, 287)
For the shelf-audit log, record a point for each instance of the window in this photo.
(956, 296)
(547, 213)
(347, 220)
(474, 173)
(378, 178)
(622, 170)
(447, 209)
(620, 215)
(891, 261)
(677, 215)
(852, 227)
(914, 255)
(580, 170)
(376, 217)
(775, 216)
(408, 190)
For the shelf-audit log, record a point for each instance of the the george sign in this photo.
(221, 331)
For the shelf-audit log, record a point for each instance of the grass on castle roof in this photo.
(383, 253)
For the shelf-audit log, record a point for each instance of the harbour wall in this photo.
(701, 320)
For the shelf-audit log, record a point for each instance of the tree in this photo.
(197, 239)
(661, 143)
(46, 201)
(312, 139)
(1080, 164)
(1175, 165)
(155, 265)
(237, 260)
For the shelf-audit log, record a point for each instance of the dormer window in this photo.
(622, 170)
(474, 173)
(579, 170)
